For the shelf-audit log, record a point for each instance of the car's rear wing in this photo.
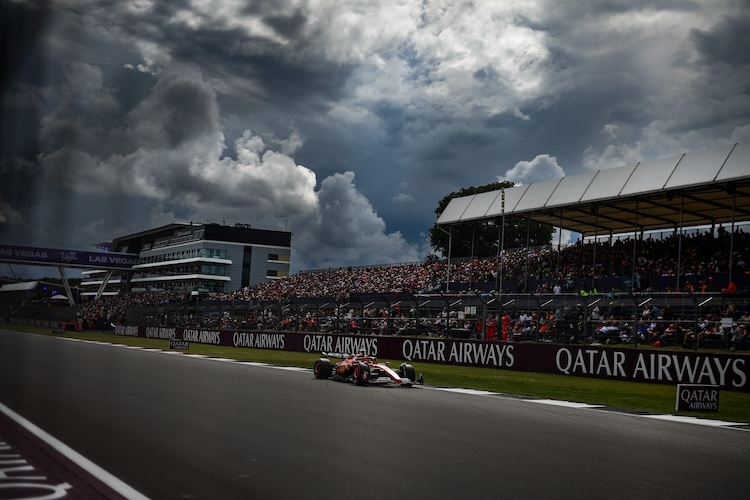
(339, 355)
(344, 355)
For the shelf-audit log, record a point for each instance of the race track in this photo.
(175, 426)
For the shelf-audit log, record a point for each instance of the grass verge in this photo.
(733, 406)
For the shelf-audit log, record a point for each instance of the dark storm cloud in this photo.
(224, 50)
(350, 120)
(289, 25)
(184, 110)
(727, 42)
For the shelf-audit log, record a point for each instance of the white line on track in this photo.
(463, 391)
(581, 406)
(585, 406)
(568, 404)
(72, 455)
(693, 420)
(293, 368)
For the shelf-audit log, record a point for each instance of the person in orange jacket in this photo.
(506, 326)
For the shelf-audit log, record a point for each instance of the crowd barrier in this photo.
(728, 371)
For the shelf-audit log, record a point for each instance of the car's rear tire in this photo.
(322, 368)
(407, 371)
(361, 373)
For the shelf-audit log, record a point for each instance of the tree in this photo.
(483, 235)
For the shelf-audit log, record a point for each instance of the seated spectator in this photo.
(669, 335)
(610, 329)
(739, 334)
(642, 331)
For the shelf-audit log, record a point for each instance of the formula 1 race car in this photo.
(362, 369)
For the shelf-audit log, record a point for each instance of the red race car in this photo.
(362, 369)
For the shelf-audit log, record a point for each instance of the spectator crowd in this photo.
(702, 255)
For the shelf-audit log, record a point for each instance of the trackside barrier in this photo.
(727, 371)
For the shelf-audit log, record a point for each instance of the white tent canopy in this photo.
(690, 189)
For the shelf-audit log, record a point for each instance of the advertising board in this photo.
(697, 397)
(724, 370)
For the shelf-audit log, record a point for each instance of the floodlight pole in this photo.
(679, 244)
(635, 245)
(595, 207)
(500, 246)
(499, 267)
(731, 235)
(528, 238)
(559, 244)
(471, 264)
(501, 249)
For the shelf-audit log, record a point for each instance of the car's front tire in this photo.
(361, 373)
(407, 371)
(322, 368)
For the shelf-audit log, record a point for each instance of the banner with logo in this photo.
(727, 371)
(67, 258)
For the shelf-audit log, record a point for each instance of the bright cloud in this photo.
(541, 168)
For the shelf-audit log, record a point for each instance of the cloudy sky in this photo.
(345, 122)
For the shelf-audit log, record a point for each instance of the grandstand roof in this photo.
(689, 189)
(19, 287)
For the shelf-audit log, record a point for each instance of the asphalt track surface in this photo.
(177, 426)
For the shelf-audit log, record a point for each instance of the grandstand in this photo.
(687, 190)
(695, 283)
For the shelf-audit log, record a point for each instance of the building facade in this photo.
(198, 258)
